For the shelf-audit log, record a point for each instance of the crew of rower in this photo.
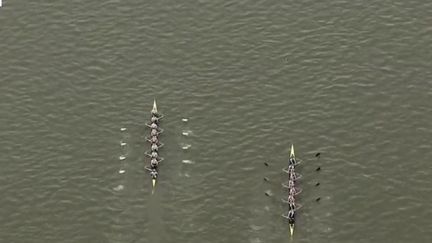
(292, 191)
(155, 144)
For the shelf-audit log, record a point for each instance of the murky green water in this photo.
(351, 80)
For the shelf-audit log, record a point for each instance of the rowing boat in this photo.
(292, 158)
(154, 112)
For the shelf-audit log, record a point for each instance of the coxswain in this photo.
(156, 114)
(153, 172)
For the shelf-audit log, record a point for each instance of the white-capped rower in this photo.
(154, 132)
(154, 147)
(154, 163)
(154, 119)
(153, 139)
(154, 154)
(154, 126)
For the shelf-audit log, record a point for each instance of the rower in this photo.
(292, 161)
(291, 213)
(154, 147)
(291, 217)
(292, 191)
(156, 114)
(292, 206)
(153, 139)
(153, 125)
(154, 163)
(290, 184)
(291, 168)
(153, 154)
(154, 119)
(154, 132)
(291, 199)
(292, 176)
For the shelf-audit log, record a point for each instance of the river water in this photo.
(349, 79)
